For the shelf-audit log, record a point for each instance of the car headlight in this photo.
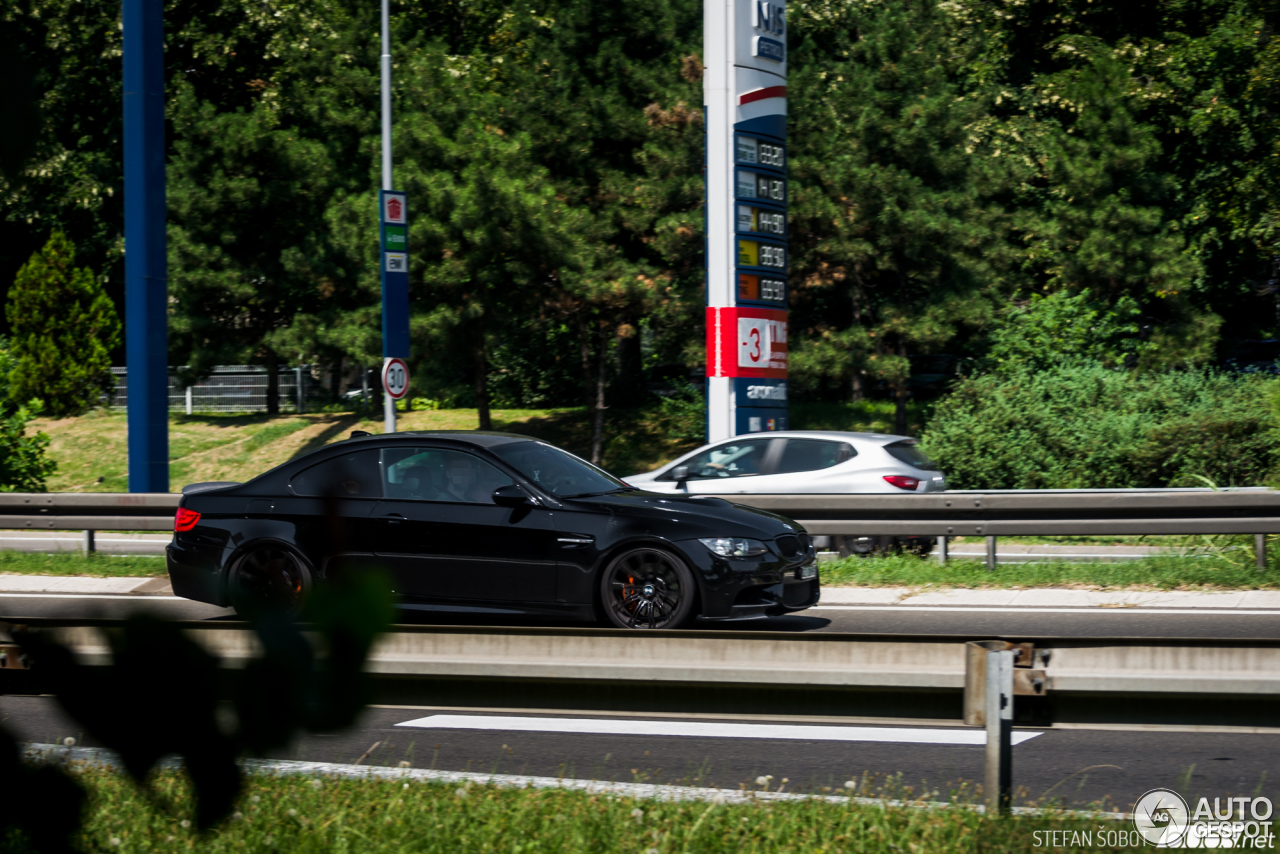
(735, 546)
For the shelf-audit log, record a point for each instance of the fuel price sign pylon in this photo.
(745, 93)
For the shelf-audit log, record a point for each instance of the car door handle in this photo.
(392, 518)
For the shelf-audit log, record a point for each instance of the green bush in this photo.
(1089, 427)
(1047, 331)
(64, 328)
(23, 464)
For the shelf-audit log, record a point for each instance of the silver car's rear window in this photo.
(910, 453)
(813, 455)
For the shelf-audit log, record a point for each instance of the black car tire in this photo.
(268, 578)
(918, 546)
(648, 588)
(864, 546)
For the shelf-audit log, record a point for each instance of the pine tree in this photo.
(888, 220)
(64, 329)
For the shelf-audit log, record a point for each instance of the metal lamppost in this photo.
(393, 220)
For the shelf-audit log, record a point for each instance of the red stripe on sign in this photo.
(761, 94)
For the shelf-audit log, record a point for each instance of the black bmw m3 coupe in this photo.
(486, 523)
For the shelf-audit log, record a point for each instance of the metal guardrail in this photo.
(1034, 512)
(941, 514)
(959, 513)
(1046, 513)
(1173, 682)
(95, 511)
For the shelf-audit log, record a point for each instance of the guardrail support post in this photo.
(87, 544)
(942, 549)
(998, 784)
(988, 702)
(991, 553)
(1260, 551)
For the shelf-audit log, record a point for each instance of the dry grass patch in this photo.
(92, 450)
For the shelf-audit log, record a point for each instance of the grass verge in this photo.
(92, 456)
(298, 814)
(1162, 573)
(98, 565)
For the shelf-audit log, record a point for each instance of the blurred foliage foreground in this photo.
(164, 695)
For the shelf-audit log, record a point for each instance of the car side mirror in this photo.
(681, 474)
(510, 495)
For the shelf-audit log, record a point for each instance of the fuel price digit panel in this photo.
(760, 201)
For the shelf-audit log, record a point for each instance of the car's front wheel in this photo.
(648, 588)
(269, 578)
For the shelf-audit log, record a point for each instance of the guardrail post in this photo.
(87, 544)
(991, 553)
(942, 549)
(1260, 551)
(988, 702)
(189, 407)
(998, 784)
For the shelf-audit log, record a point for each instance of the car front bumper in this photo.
(739, 588)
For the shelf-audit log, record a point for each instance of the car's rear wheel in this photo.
(866, 546)
(647, 588)
(269, 578)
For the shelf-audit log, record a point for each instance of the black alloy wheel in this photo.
(648, 588)
(269, 578)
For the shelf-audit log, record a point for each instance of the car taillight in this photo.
(902, 481)
(186, 519)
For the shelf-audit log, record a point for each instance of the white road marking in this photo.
(709, 729)
(1081, 609)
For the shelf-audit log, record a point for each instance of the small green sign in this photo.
(395, 238)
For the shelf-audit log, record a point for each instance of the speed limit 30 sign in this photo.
(395, 378)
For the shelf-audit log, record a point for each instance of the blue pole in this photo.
(146, 285)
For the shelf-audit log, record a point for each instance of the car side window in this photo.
(437, 474)
(813, 455)
(734, 459)
(355, 475)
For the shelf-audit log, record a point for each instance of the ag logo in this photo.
(1161, 817)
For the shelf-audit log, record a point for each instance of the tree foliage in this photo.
(64, 328)
(949, 161)
(889, 219)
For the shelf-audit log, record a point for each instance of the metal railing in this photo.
(231, 388)
(1046, 513)
(941, 514)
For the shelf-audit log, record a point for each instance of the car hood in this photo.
(704, 516)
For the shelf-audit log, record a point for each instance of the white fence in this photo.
(231, 388)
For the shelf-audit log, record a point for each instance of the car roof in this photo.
(838, 435)
(482, 438)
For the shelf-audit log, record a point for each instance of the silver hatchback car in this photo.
(799, 462)
(807, 461)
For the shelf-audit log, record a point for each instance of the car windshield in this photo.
(910, 453)
(560, 473)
